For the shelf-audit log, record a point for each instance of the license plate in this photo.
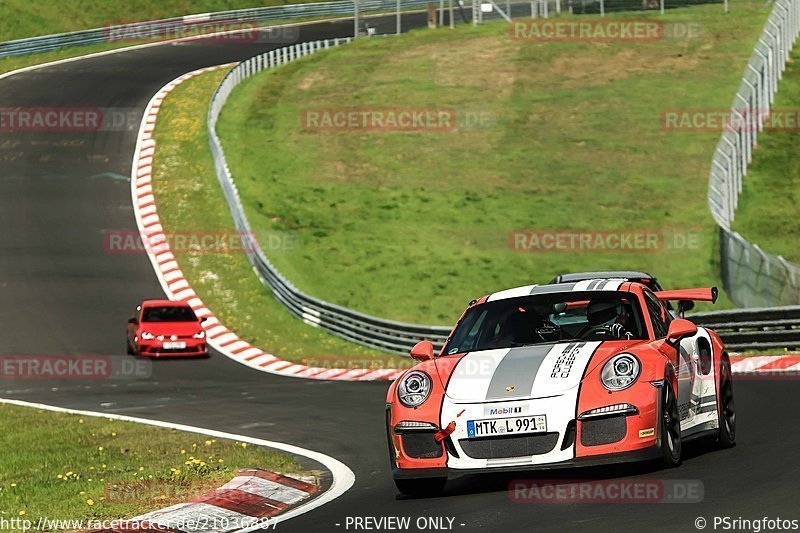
(174, 345)
(506, 426)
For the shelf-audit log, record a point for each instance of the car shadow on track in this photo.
(501, 482)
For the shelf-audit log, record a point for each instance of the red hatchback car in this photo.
(166, 328)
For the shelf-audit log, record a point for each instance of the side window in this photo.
(658, 315)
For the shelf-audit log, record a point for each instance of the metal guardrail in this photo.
(173, 26)
(752, 277)
(741, 329)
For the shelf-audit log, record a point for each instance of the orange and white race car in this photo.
(551, 376)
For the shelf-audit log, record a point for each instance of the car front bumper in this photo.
(155, 348)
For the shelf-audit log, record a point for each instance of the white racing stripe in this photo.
(473, 374)
(563, 369)
(511, 293)
(343, 477)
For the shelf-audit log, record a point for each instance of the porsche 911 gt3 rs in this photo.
(551, 376)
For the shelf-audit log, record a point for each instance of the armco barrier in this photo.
(763, 328)
(758, 328)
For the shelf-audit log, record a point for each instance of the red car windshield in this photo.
(547, 318)
(168, 314)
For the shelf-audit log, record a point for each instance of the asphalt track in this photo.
(62, 293)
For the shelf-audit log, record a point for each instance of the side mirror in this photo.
(678, 329)
(203, 319)
(422, 351)
(133, 321)
(685, 305)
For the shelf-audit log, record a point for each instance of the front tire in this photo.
(726, 407)
(421, 488)
(670, 427)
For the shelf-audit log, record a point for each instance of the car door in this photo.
(687, 361)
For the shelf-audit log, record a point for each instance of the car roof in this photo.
(163, 303)
(599, 284)
(611, 274)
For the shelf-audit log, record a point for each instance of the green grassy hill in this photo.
(412, 225)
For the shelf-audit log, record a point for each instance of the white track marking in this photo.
(343, 477)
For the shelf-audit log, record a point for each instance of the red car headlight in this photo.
(414, 388)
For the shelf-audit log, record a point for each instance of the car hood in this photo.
(538, 371)
(171, 328)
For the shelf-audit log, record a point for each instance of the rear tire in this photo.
(128, 347)
(670, 427)
(421, 488)
(726, 407)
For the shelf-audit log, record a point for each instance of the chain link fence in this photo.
(750, 276)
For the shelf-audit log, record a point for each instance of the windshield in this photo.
(168, 314)
(547, 318)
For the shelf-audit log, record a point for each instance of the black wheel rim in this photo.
(728, 408)
(672, 422)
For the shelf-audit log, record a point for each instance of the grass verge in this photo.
(71, 467)
(190, 199)
(767, 213)
(412, 225)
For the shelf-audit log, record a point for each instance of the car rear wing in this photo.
(689, 295)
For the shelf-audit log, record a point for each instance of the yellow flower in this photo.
(244, 445)
(103, 465)
(208, 443)
(141, 468)
(100, 448)
(90, 502)
(183, 451)
(113, 434)
(13, 484)
(60, 476)
(221, 461)
(22, 512)
(80, 421)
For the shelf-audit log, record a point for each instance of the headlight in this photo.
(146, 335)
(620, 372)
(201, 335)
(414, 388)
